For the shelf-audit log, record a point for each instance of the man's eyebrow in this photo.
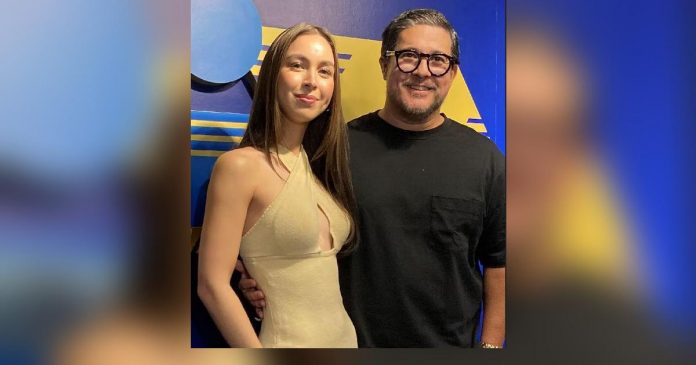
(417, 50)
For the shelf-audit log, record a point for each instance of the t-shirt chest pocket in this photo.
(455, 223)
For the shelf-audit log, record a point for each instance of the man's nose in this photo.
(422, 69)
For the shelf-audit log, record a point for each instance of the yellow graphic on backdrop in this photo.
(363, 89)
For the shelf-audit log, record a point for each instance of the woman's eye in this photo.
(326, 72)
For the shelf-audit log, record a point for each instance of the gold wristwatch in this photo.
(485, 345)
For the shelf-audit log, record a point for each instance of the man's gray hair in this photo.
(410, 18)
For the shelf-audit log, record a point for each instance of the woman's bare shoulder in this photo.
(245, 160)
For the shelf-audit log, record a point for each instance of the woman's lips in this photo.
(306, 99)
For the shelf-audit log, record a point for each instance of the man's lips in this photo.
(419, 87)
(306, 98)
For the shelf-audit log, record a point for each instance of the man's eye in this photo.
(438, 59)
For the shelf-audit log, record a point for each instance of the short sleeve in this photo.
(491, 247)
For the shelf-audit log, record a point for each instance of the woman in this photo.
(282, 201)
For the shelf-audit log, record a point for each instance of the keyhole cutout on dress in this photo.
(326, 242)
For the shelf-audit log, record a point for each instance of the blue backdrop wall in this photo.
(229, 37)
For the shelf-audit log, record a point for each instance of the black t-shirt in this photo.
(431, 207)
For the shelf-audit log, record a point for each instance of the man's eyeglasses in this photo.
(408, 61)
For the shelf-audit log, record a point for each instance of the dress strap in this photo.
(289, 158)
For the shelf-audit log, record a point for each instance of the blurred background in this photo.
(600, 180)
(94, 186)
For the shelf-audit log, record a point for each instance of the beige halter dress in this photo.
(304, 307)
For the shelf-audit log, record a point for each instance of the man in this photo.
(431, 201)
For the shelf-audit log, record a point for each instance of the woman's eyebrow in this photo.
(303, 58)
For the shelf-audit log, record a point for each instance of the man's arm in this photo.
(492, 252)
(493, 331)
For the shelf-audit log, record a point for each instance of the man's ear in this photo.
(454, 70)
(383, 66)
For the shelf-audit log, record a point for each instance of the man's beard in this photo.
(415, 115)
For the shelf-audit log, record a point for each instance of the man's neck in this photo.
(403, 122)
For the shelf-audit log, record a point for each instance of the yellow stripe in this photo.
(269, 34)
(479, 127)
(204, 137)
(212, 123)
(262, 54)
(255, 70)
(206, 153)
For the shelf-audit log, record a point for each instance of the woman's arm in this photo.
(231, 189)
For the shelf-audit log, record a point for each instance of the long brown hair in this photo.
(325, 140)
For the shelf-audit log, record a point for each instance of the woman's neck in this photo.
(292, 135)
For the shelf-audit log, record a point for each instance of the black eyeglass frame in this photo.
(396, 54)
